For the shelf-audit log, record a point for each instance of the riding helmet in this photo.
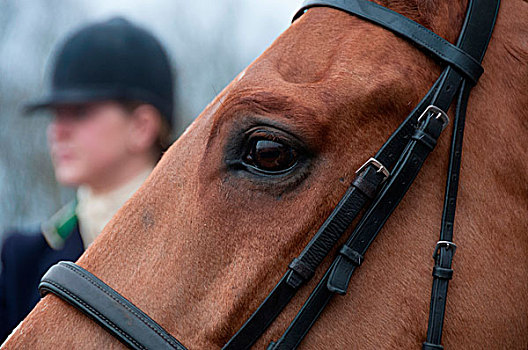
(112, 60)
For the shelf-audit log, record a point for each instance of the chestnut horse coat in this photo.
(201, 244)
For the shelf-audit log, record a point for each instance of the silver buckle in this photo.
(440, 114)
(447, 244)
(374, 162)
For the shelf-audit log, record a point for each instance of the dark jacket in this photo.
(25, 258)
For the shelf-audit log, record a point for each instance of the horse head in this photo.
(251, 180)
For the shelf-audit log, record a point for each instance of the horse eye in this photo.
(270, 156)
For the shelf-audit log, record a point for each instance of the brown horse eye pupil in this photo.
(269, 155)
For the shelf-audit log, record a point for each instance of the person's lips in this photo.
(63, 154)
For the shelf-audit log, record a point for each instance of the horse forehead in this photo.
(325, 43)
(321, 72)
(328, 58)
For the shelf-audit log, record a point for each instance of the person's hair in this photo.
(164, 138)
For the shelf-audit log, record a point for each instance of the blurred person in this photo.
(112, 100)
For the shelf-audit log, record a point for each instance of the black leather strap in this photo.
(306, 317)
(335, 225)
(260, 320)
(407, 28)
(337, 277)
(303, 267)
(474, 39)
(445, 249)
(391, 151)
(112, 311)
(385, 203)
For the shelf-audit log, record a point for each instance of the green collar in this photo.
(60, 226)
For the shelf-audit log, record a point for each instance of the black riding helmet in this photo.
(112, 60)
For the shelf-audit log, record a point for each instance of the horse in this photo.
(203, 241)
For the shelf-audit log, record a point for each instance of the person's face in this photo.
(88, 142)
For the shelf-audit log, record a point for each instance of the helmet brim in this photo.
(69, 97)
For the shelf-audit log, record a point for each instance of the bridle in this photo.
(381, 182)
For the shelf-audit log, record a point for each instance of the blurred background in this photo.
(209, 43)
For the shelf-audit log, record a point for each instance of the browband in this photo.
(416, 33)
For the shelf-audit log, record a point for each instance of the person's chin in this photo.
(67, 177)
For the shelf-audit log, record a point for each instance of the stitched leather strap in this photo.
(441, 95)
(112, 311)
(384, 205)
(306, 317)
(407, 28)
(474, 39)
(444, 251)
(304, 266)
(337, 223)
(337, 277)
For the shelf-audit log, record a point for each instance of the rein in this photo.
(381, 182)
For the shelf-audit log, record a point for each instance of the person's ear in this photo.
(145, 128)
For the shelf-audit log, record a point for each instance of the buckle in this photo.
(446, 244)
(376, 164)
(439, 114)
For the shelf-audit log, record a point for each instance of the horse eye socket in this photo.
(270, 156)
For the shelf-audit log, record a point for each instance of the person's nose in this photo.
(60, 127)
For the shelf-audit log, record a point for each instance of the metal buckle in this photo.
(447, 244)
(374, 162)
(440, 114)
